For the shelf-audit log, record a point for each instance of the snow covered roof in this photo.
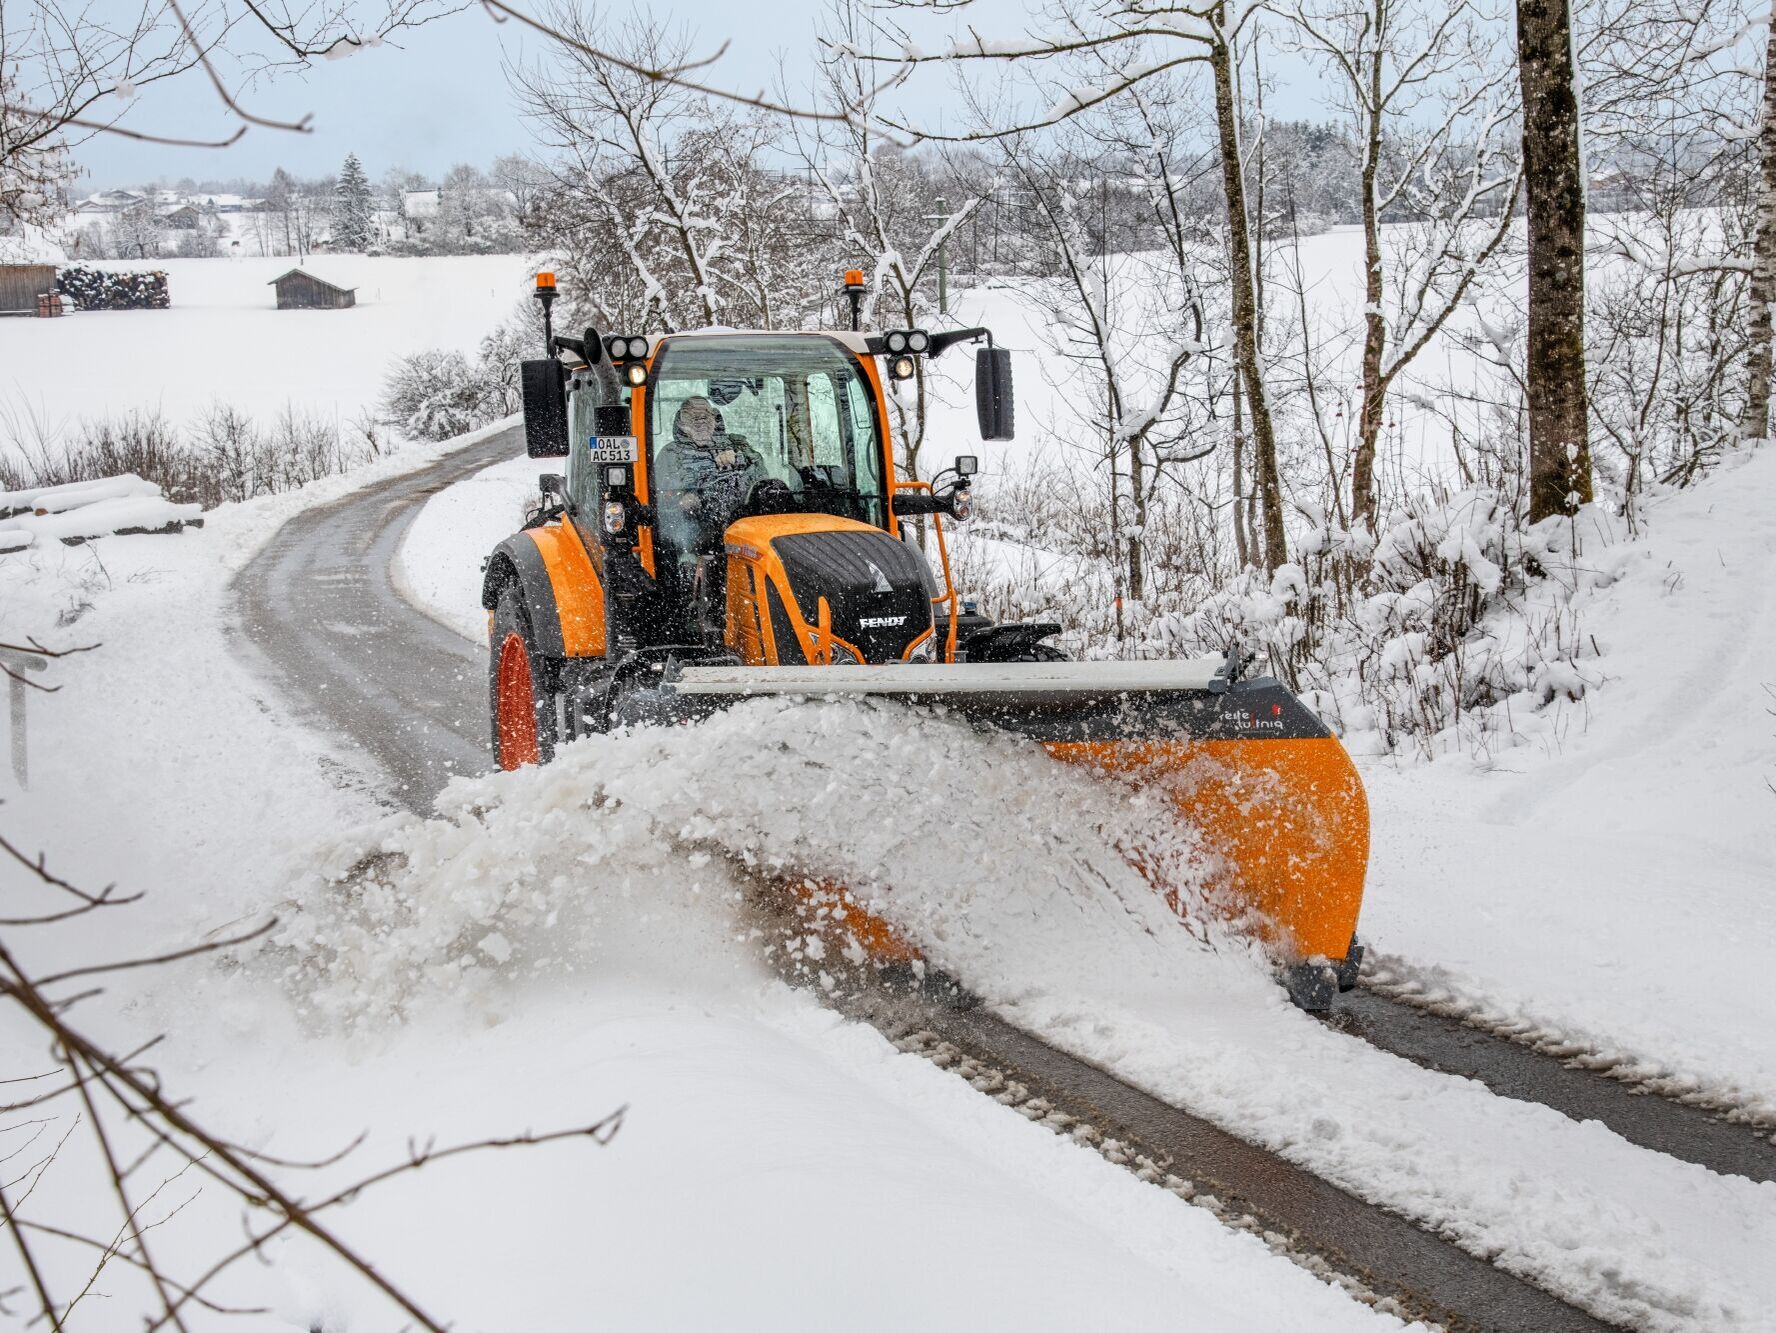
(855, 342)
(312, 277)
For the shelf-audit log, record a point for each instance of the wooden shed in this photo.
(297, 290)
(22, 284)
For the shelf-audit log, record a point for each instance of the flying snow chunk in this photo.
(497, 947)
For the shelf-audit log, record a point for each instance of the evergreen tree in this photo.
(353, 228)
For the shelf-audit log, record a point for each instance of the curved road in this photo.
(319, 611)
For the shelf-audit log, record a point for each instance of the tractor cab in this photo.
(729, 498)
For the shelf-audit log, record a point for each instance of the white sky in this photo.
(440, 98)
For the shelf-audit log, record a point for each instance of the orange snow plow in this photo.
(728, 526)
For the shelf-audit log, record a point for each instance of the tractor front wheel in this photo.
(521, 702)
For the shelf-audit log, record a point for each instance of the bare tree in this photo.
(1243, 274)
(1429, 113)
(886, 205)
(1128, 321)
(663, 208)
(1763, 278)
(136, 232)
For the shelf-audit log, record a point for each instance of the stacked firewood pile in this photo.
(97, 289)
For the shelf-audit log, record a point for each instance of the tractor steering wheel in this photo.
(769, 496)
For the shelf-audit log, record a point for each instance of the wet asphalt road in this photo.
(322, 616)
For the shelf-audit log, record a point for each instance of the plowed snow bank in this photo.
(1008, 870)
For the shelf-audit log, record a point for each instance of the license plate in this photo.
(613, 448)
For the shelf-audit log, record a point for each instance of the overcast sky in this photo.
(440, 98)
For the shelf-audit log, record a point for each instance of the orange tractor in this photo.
(729, 524)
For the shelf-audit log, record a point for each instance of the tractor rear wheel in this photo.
(521, 701)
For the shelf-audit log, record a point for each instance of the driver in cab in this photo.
(704, 476)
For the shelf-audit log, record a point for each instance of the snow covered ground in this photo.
(1608, 888)
(776, 1168)
(224, 339)
(1608, 885)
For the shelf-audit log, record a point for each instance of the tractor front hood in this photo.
(813, 588)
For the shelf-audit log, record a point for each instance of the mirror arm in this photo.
(940, 342)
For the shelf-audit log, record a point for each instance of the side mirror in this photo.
(544, 389)
(967, 465)
(992, 393)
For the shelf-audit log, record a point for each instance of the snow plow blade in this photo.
(1272, 791)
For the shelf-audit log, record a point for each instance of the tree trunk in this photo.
(1245, 305)
(1240, 548)
(1137, 579)
(1756, 423)
(1374, 325)
(1559, 451)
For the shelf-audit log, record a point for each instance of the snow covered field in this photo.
(224, 339)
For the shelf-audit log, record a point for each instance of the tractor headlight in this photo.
(961, 505)
(843, 656)
(615, 517)
(901, 367)
(925, 650)
(918, 340)
(637, 374)
(638, 347)
(897, 342)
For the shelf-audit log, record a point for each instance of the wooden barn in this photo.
(297, 290)
(22, 284)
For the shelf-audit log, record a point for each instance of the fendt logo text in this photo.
(882, 622)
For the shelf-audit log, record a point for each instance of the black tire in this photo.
(521, 701)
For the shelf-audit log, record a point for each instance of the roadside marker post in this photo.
(15, 661)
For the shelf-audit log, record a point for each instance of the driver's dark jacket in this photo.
(685, 466)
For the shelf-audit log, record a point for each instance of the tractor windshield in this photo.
(726, 413)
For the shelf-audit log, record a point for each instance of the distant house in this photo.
(107, 202)
(297, 290)
(180, 217)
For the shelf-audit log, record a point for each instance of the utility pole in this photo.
(942, 218)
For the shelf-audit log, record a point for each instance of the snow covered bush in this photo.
(1445, 634)
(433, 395)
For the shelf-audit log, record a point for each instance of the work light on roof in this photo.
(637, 373)
(618, 347)
(901, 367)
(638, 347)
(918, 340)
(897, 342)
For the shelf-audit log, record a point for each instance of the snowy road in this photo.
(355, 657)
(323, 606)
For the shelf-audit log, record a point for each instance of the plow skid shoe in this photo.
(1276, 798)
